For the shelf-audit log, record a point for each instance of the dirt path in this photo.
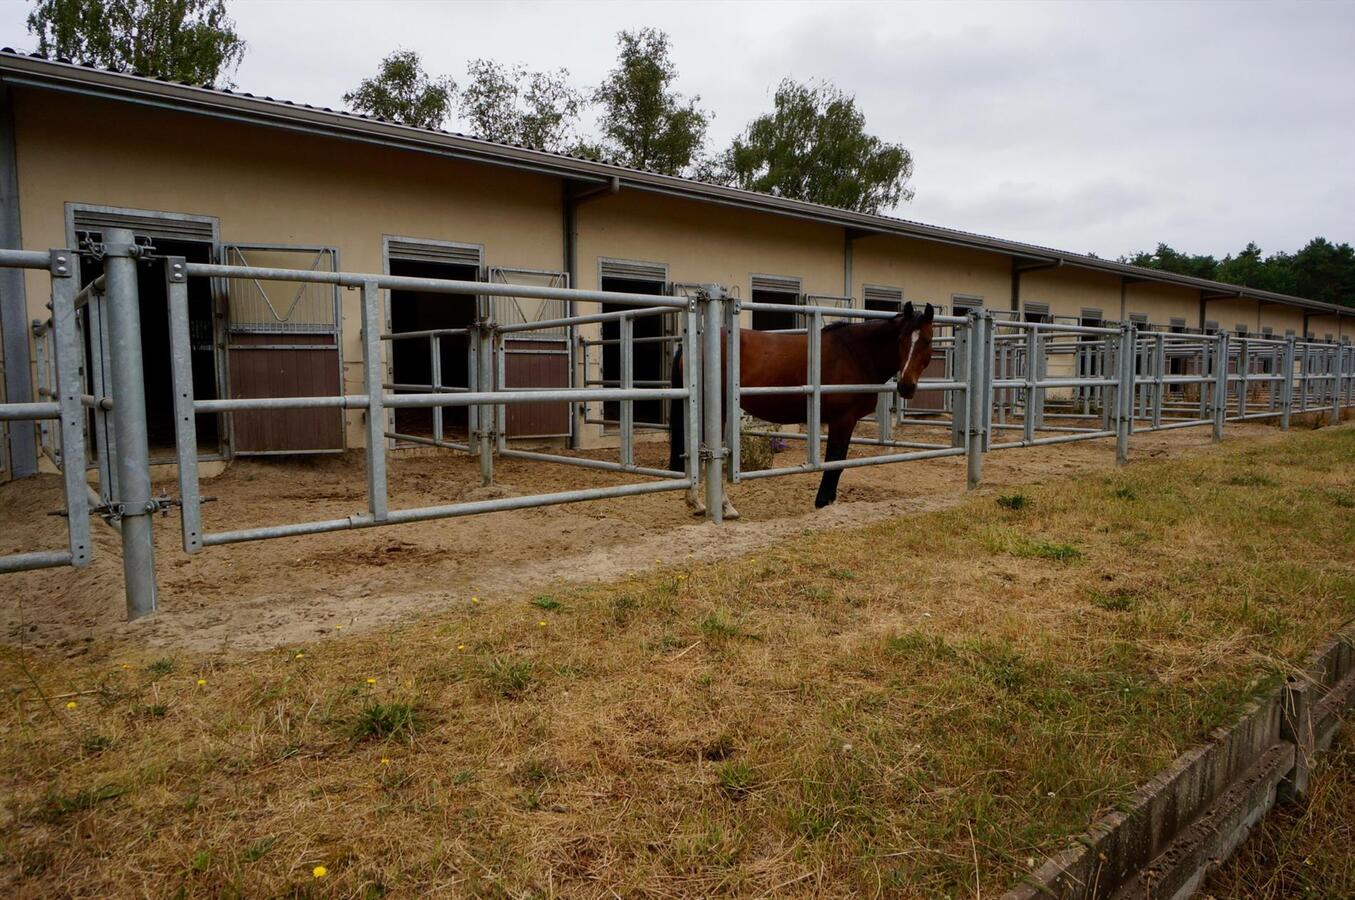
(262, 594)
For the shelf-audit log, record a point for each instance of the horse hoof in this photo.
(821, 502)
(730, 513)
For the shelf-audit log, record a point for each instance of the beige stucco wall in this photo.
(930, 273)
(1321, 326)
(267, 186)
(1280, 318)
(705, 243)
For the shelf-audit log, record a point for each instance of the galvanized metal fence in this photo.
(1006, 384)
(65, 405)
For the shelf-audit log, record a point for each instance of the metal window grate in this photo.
(965, 302)
(877, 296)
(281, 306)
(94, 220)
(776, 284)
(633, 270)
(515, 310)
(417, 250)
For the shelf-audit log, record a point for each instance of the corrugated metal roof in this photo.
(59, 74)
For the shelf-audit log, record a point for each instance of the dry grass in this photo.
(920, 707)
(1301, 851)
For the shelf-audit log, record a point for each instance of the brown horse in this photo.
(869, 352)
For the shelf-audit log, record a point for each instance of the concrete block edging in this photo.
(1195, 813)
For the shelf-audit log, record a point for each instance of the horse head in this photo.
(915, 347)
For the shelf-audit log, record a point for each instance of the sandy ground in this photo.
(265, 593)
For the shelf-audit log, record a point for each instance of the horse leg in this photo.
(839, 437)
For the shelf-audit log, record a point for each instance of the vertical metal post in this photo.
(376, 407)
(813, 415)
(711, 391)
(1334, 366)
(501, 379)
(1220, 385)
(1159, 370)
(733, 380)
(1033, 350)
(1243, 370)
(691, 380)
(976, 396)
(627, 423)
(435, 368)
(1125, 399)
(134, 500)
(962, 351)
(68, 350)
(185, 422)
(1287, 386)
(485, 359)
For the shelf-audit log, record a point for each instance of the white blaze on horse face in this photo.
(907, 347)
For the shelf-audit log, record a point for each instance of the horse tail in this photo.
(677, 419)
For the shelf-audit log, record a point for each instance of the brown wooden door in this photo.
(283, 341)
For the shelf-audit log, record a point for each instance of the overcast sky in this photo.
(1100, 127)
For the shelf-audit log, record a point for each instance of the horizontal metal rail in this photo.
(430, 285)
(454, 510)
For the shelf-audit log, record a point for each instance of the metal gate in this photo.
(283, 337)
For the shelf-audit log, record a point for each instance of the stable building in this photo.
(216, 175)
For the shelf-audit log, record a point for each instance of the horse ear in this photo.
(928, 313)
(907, 310)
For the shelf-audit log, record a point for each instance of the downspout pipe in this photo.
(572, 197)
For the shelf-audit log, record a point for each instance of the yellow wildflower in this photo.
(201, 682)
(319, 871)
(71, 704)
(371, 681)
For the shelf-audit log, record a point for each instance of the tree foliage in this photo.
(402, 92)
(515, 106)
(814, 146)
(1322, 270)
(645, 123)
(183, 40)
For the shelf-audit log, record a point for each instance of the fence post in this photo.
(68, 349)
(1287, 386)
(1125, 397)
(1034, 350)
(627, 407)
(1334, 364)
(484, 336)
(376, 412)
(1159, 398)
(133, 502)
(976, 395)
(733, 421)
(711, 389)
(1220, 385)
(962, 348)
(813, 415)
(185, 421)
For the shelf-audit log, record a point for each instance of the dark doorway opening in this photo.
(650, 367)
(412, 360)
(767, 320)
(157, 372)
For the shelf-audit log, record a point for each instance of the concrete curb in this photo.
(1196, 812)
